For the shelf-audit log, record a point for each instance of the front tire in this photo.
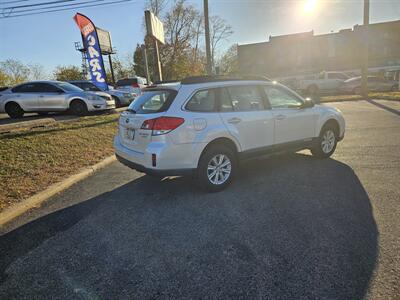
(78, 108)
(117, 102)
(14, 110)
(217, 168)
(326, 143)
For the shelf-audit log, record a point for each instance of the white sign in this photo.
(104, 40)
(154, 26)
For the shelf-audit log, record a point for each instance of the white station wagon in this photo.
(203, 126)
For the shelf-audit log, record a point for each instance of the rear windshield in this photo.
(128, 81)
(67, 87)
(87, 86)
(153, 101)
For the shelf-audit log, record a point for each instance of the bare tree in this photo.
(37, 72)
(157, 6)
(183, 52)
(220, 30)
(181, 24)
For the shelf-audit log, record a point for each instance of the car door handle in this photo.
(41, 96)
(280, 117)
(234, 120)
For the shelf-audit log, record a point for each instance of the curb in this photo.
(38, 199)
(350, 100)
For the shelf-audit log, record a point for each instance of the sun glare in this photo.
(309, 5)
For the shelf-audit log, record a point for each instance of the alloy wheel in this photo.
(219, 169)
(328, 141)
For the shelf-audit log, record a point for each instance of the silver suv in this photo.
(51, 96)
(203, 126)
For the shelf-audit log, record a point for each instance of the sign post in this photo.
(155, 29)
(146, 63)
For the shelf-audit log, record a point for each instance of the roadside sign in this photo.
(154, 26)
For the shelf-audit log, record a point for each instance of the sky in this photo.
(48, 39)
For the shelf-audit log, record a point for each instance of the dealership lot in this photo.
(290, 226)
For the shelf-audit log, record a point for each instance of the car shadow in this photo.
(290, 226)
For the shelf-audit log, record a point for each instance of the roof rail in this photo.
(166, 81)
(216, 78)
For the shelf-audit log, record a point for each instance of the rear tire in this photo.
(326, 143)
(78, 107)
(14, 110)
(217, 168)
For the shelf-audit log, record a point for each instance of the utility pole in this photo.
(207, 33)
(365, 44)
(158, 63)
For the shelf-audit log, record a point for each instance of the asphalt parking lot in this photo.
(289, 227)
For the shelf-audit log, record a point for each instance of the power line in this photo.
(37, 4)
(10, 2)
(56, 6)
(63, 9)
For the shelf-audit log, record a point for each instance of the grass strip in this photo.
(32, 160)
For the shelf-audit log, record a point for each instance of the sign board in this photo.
(154, 26)
(104, 41)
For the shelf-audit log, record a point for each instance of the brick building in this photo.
(303, 53)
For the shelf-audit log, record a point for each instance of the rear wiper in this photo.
(131, 110)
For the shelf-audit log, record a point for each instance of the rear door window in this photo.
(246, 98)
(202, 101)
(225, 103)
(153, 101)
(24, 88)
(46, 88)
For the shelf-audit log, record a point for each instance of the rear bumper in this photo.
(142, 162)
(154, 172)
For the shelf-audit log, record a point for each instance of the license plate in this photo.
(130, 134)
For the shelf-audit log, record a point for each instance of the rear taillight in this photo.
(162, 125)
(135, 85)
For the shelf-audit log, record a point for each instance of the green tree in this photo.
(66, 73)
(15, 71)
(228, 63)
(139, 61)
(4, 79)
(123, 67)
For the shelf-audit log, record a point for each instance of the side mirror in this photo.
(308, 103)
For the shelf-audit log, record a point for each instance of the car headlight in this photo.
(94, 98)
